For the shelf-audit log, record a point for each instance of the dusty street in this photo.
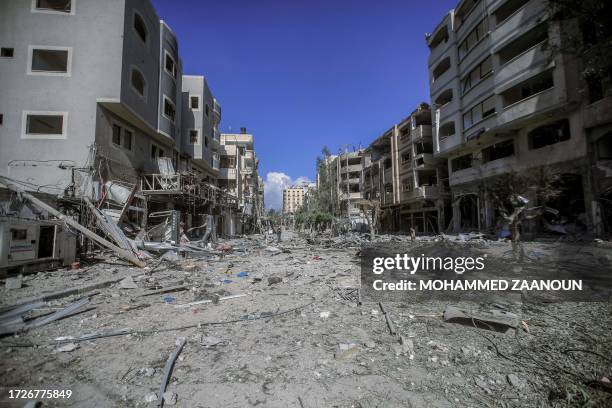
(283, 328)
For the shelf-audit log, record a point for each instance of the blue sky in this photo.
(304, 74)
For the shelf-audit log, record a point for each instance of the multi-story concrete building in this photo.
(293, 199)
(400, 172)
(503, 101)
(238, 175)
(346, 178)
(66, 91)
(93, 93)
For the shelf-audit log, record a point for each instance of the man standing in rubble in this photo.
(278, 233)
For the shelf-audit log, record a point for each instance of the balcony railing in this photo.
(227, 173)
(422, 192)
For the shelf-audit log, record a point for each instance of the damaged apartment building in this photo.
(95, 106)
(505, 102)
(402, 175)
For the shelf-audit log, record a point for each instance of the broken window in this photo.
(508, 9)
(47, 60)
(194, 136)
(440, 37)
(206, 141)
(473, 38)
(405, 157)
(423, 147)
(19, 234)
(153, 151)
(138, 82)
(406, 184)
(7, 52)
(549, 134)
(63, 6)
(462, 13)
(207, 110)
(170, 65)
(44, 124)
(140, 27)
(194, 102)
(1, 119)
(498, 151)
(461, 162)
(169, 109)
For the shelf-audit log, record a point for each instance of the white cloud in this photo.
(274, 184)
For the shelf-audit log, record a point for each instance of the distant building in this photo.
(294, 199)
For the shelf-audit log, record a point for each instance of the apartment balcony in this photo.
(227, 150)
(532, 61)
(388, 175)
(519, 22)
(421, 193)
(447, 111)
(598, 113)
(530, 106)
(248, 154)
(421, 132)
(351, 168)
(424, 160)
(387, 198)
(474, 17)
(352, 180)
(443, 80)
(246, 170)
(227, 173)
(354, 196)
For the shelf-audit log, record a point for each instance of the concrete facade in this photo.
(293, 199)
(503, 102)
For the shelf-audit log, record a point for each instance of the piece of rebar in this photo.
(388, 319)
(168, 371)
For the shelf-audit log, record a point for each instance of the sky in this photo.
(303, 74)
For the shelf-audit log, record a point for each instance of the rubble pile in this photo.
(249, 321)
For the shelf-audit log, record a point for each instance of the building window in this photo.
(138, 82)
(169, 64)
(153, 151)
(7, 52)
(461, 163)
(498, 151)
(549, 134)
(49, 60)
(207, 110)
(476, 75)
(122, 137)
(44, 125)
(479, 112)
(1, 119)
(194, 136)
(206, 141)
(473, 38)
(194, 102)
(405, 157)
(463, 12)
(53, 6)
(169, 109)
(141, 27)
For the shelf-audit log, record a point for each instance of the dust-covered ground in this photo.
(299, 337)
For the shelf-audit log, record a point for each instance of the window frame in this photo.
(145, 92)
(123, 128)
(199, 132)
(145, 41)
(7, 57)
(172, 74)
(50, 136)
(199, 108)
(35, 9)
(31, 49)
(163, 112)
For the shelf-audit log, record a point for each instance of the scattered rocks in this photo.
(66, 348)
(346, 350)
(13, 283)
(273, 280)
(150, 397)
(170, 398)
(515, 381)
(128, 283)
